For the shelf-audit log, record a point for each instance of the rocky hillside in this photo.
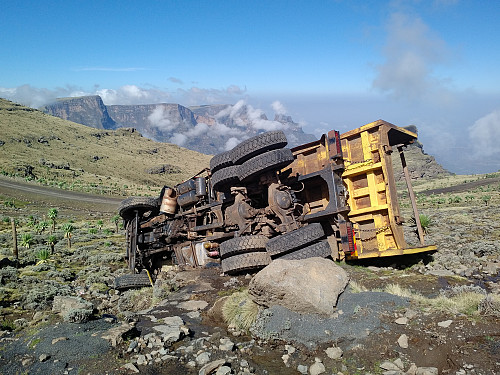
(36, 146)
(209, 129)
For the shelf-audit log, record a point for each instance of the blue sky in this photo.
(330, 64)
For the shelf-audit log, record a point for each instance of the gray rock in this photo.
(317, 368)
(389, 366)
(334, 352)
(62, 304)
(303, 369)
(403, 341)
(115, 335)
(141, 360)
(193, 305)
(43, 357)
(226, 344)
(212, 366)
(202, 358)
(427, 371)
(131, 367)
(282, 283)
(223, 370)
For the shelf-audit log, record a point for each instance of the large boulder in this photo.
(307, 286)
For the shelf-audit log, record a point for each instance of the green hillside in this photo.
(52, 151)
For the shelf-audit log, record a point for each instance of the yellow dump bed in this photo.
(372, 197)
(348, 182)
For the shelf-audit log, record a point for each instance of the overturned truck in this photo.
(335, 197)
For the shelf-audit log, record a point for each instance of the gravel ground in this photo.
(357, 316)
(83, 342)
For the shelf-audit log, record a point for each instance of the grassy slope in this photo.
(123, 156)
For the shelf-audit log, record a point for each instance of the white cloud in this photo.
(485, 133)
(132, 94)
(278, 108)
(411, 52)
(178, 139)
(159, 118)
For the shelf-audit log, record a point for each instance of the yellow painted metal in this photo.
(369, 178)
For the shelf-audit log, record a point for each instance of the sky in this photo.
(330, 64)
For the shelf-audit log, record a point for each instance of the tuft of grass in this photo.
(356, 287)
(469, 301)
(239, 310)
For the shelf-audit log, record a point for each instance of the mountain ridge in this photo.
(209, 129)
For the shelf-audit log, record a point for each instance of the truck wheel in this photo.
(221, 160)
(136, 280)
(258, 144)
(245, 262)
(225, 176)
(295, 239)
(244, 244)
(142, 204)
(321, 249)
(274, 159)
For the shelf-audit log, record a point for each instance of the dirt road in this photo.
(48, 196)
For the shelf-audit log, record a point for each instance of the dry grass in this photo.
(115, 161)
(239, 310)
(462, 300)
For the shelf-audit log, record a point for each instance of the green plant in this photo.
(41, 226)
(68, 229)
(52, 214)
(43, 255)
(107, 231)
(100, 223)
(27, 240)
(9, 203)
(116, 220)
(425, 222)
(92, 230)
(51, 241)
(486, 199)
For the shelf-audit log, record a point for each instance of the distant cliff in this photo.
(209, 129)
(85, 110)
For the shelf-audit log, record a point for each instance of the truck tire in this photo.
(142, 204)
(220, 161)
(295, 239)
(260, 143)
(274, 159)
(244, 244)
(136, 280)
(245, 262)
(321, 249)
(225, 176)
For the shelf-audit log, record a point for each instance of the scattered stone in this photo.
(303, 369)
(317, 367)
(445, 323)
(131, 367)
(389, 366)
(27, 361)
(427, 371)
(141, 360)
(223, 370)
(290, 349)
(115, 335)
(398, 362)
(202, 358)
(334, 352)
(20, 323)
(73, 309)
(43, 357)
(226, 345)
(402, 321)
(412, 370)
(212, 366)
(285, 358)
(193, 305)
(281, 283)
(54, 341)
(403, 341)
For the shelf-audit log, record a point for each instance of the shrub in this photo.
(43, 255)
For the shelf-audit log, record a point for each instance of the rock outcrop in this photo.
(86, 110)
(308, 286)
